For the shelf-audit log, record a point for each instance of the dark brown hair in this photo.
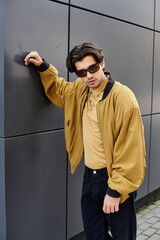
(81, 51)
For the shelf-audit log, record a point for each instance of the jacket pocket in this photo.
(68, 134)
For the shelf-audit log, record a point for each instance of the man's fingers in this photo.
(110, 204)
(108, 210)
(34, 61)
(30, 55)
(117, 208)
(33, 57)
(112, 209)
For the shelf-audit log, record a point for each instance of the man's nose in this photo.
(89, 75)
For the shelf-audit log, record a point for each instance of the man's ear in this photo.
(102, 64)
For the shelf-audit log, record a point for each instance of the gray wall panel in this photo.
(2, 192)
(74, 220)
(65, 1)
(143, 190)
(35, 187)
(128, 50)
(157, 17)
(2, 68)
(156, 81)
(155, 153)
(140, 12)
(35, 28)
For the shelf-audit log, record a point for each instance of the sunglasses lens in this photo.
(93, 68)
(81, 73)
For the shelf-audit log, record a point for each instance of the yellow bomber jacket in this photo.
(120, 125)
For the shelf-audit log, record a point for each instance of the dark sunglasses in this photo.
(92, 69)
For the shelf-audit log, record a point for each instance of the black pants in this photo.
(122, 224)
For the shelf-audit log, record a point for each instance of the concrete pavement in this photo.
(148, 221)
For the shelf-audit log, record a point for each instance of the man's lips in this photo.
(91, 81)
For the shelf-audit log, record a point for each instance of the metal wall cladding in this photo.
(156, 81)
(65, 1)
(157, 15)
(2, 191)
(139, 12)
(155, 153)
(27, 109)
(128, 51)
(2, 68)
(143, 190)
(74, 202)
(36, 187)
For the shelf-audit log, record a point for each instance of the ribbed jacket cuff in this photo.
(113, 193)
(43, 67)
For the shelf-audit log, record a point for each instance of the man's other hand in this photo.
(110, 204)
(33, 57)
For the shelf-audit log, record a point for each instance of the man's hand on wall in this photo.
(110, 204)
(33, 57)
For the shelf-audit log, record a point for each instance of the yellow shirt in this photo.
(93, 147)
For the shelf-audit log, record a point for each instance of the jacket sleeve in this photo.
(128, 164)
(54, 86)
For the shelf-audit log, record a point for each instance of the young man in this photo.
(103, 121)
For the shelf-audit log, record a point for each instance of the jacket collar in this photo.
(109, 86)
